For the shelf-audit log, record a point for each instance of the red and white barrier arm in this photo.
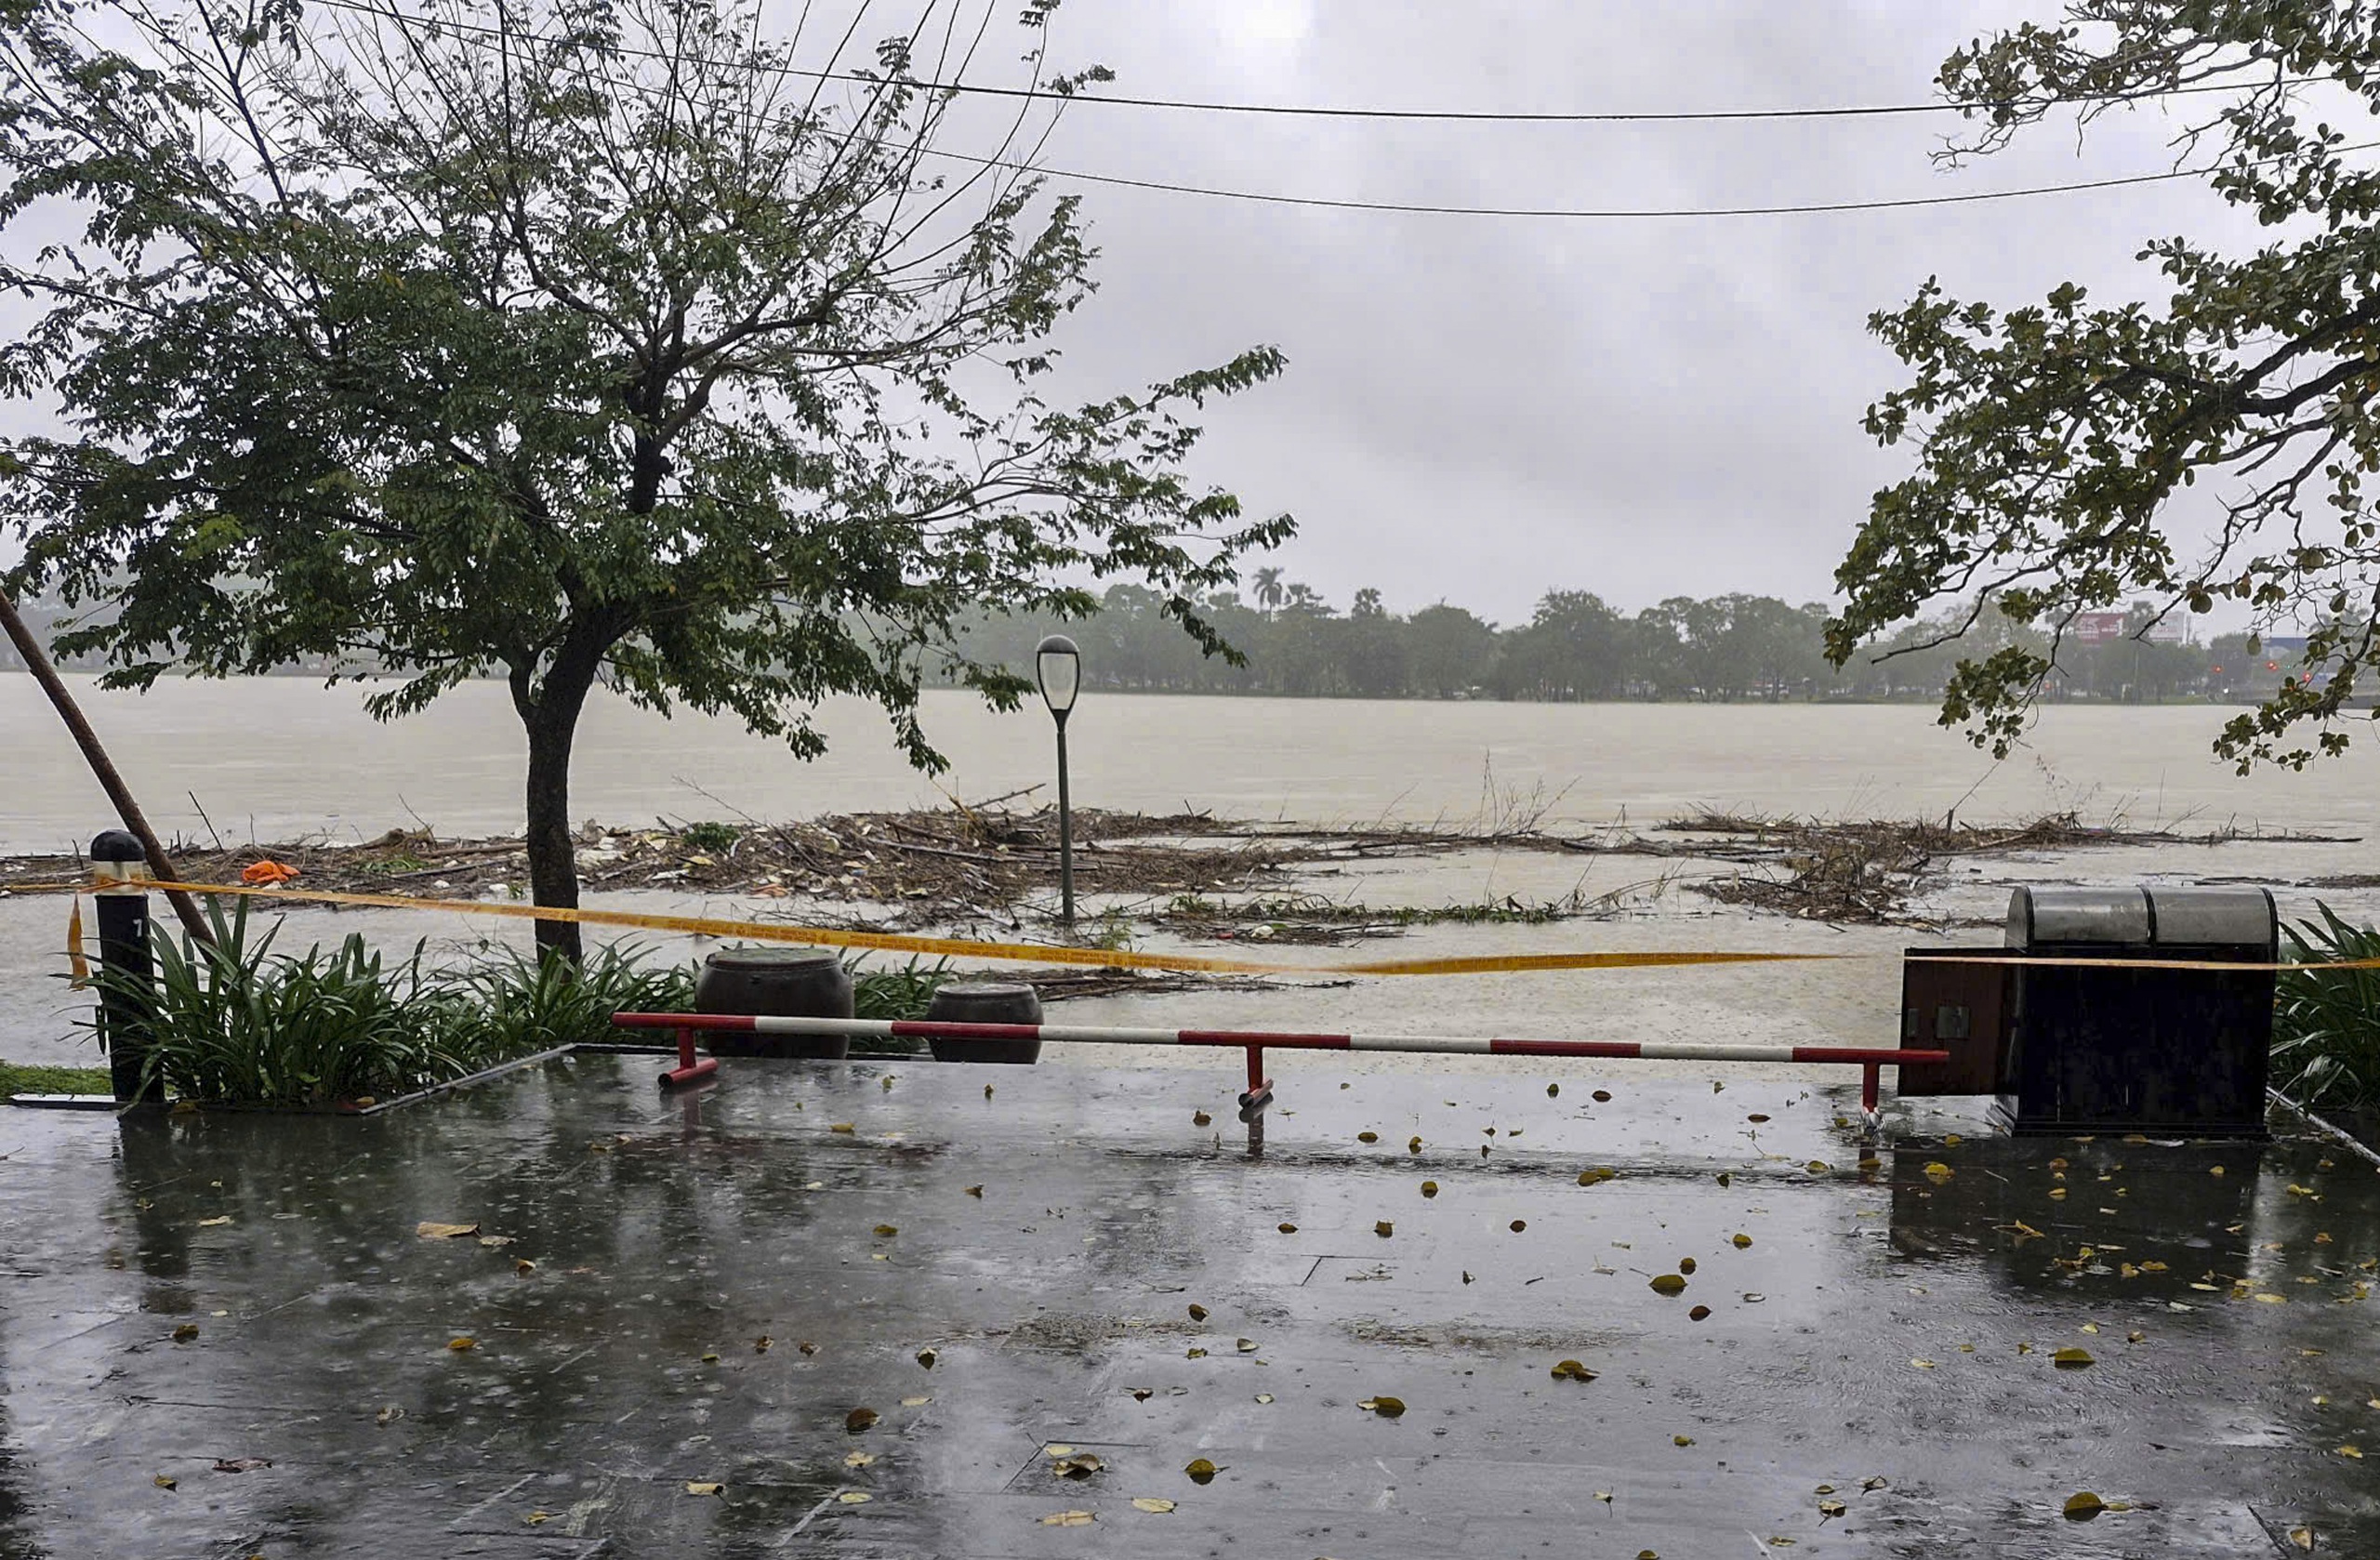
(1256, 1042)
(1086, 1034)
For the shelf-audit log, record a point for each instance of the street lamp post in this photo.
(1057, 666)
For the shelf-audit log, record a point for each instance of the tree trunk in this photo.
(552, 723)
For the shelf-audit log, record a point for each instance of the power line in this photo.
(1314, 111)
(1618, 214)
(474, 30)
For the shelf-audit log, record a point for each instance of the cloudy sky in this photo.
(1481, 409)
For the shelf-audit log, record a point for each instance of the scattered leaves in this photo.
(1200, 1471)
(1938, 1172)
(2083, 1505)
(166, 1481)
(704, 1486)
(1080, 1465)
(1068, 1519)
(1572, 1370)
(1385, 1407)
(975, 1191)
(1288, 1229)
(1383, 1229)
(2071, 1359)
(843, 1126)
(430, 1229)
(185, 1332)
(1151, 1504)
(886, 1232)
(1197, 1313)
(462, 1345)
(1518, 1225)
(926, 1357)
(1668, 1284)
(1200, 1118)
(858, 1458)
(210, 1224)
(1701, 1313)
(856, 1497)
(1429, 1188)
(1367, 1137)
(859, 1420)
(1739, 1241)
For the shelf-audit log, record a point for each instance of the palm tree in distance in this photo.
(1268, 589)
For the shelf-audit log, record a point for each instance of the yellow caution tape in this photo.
(78, 969)
(1116, 958)
(1033, 953)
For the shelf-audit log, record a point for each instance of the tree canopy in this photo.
(573, 342)
(2057, 442)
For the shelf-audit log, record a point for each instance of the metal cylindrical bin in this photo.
(781, 983)
(987, 1002)
(2102, 1048)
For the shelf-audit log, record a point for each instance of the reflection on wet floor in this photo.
(1860, 1355)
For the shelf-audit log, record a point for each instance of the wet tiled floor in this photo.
(1885, 1326)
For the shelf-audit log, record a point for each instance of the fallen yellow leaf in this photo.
(703, 1487)
(1151, 1504)
(210, 1224)
(2071, 1359)
(1668, 1284)
(2084, 1506)
(1572, 1370)
(1068, 1519)
(1385, 1407)
(462, 1345)
(430, 1229)
(859, 1420)
(854, 1497)
(1200, 1471)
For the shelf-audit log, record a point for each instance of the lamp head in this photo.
(1057, 667)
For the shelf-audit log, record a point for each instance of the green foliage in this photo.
(711, 836)
(518, 1003)
(238, 1023)
(905, 993)
(2056, 439)
(2326, 1024)
(563, 342)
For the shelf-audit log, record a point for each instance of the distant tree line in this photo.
(1575, 647)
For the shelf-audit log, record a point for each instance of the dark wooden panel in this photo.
(1961, 1008)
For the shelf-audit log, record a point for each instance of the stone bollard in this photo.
(778, 983)
(121, 870)
(987, 1002)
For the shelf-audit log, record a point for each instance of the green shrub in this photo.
(2326, 1024)
(711, 836)
(528, 1003)
(239, 1024)
(236, 1022)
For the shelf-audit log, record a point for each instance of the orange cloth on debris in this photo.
(266, 873)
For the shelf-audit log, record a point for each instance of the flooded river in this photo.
(279, 757)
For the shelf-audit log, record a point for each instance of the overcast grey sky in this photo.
(1479, 409)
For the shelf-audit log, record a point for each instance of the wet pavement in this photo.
(1093, 1268)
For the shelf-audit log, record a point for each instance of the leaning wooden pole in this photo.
(161, 866)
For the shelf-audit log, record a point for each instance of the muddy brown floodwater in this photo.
(275, 759)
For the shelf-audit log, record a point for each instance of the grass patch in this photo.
(18, 1080)
(2326, 1024)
